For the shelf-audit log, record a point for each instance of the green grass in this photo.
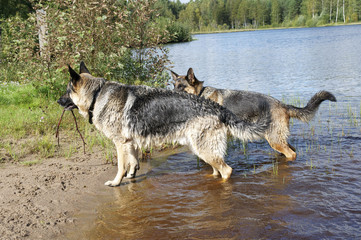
(15, 94)
(45, 146)
(29, 121)
(11, 151)
(31, 162)
(24, 112)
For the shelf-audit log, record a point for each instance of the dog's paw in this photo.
(111, 184)
(129, 176)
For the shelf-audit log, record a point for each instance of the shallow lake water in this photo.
(318, 196)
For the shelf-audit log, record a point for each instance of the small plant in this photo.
(245, 148)
(275, 168)
(313, 130)
(70, 151)
(44, 146)
(11, 151)
(30, 162)
(311, 164)
(109, 156)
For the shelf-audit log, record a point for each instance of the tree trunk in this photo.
(313, 10)
(343, 11)
(330, 10)
(43, 32)
(322, 7)
(0, 44)
(337, 10)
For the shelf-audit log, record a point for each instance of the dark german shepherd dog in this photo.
(140, 116)
(245, 105)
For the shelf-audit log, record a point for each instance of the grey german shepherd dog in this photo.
(245, 104)
(140, 117)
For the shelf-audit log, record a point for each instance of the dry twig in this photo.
(76, 125)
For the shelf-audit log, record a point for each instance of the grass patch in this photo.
(11, 151)
(15, 94)
(44, 146)
(24, 112)
(28, 123)
(30, 163)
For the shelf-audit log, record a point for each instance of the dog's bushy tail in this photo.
(247, 130)
(308, 112)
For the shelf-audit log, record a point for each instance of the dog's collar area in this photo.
(201, 92)
(91, 108)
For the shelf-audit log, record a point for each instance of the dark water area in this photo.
(318, 196)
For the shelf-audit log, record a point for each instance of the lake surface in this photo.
(318, 196)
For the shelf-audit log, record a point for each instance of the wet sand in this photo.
(38, 201)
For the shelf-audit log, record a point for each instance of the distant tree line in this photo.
(210, 15)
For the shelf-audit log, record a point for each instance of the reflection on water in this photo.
(317, 196)
(191, 204)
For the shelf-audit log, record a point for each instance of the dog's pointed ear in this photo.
(191, 77)
(83, 68)
(174, 75)
(74, 76)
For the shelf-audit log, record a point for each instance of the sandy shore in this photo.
(49, 199)
(39, 201)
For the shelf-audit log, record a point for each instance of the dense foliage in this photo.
(210, 15)
(118, 39)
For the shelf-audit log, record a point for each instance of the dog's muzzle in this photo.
(66, 103)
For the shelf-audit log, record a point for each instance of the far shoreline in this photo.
(272, 28)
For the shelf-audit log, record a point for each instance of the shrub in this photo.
(354, 17)
(312, 22)
(179, 32)
(117, 39)
(323, 19)
(300, 21)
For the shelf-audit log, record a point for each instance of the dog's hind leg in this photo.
(292, 147)
(215, 171)
(285, 149)
(218, 165)
(209, 143)
(126, 154)
(225, 170)
(277, 139)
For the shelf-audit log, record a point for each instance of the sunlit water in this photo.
(318, 196)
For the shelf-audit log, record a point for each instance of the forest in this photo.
(213, 15)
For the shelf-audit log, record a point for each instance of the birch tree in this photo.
(337, 10)
(43, 32)
(343, 11)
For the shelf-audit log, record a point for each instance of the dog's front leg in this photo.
(132, 160)
(122, 152)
